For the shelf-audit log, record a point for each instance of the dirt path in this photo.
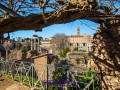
(8, 84)
(17, 87)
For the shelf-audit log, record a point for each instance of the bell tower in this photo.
(78, 31)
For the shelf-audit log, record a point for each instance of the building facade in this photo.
(46, 45)
(46, 42)
(81, 42)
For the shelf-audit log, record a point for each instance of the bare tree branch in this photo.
(9, 10)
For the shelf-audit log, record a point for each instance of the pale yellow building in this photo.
(46, 42)
(82, 42)
(47, 45)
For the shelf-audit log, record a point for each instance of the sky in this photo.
(68, 29)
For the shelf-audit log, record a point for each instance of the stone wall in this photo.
(21, 55)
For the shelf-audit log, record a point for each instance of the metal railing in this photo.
(40, 77)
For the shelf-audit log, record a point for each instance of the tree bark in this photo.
(107, 56)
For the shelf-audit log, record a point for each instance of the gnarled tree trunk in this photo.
(107, 56)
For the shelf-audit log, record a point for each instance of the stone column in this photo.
(87, 45)
(38, 45)
(31, 45)
(34, 44)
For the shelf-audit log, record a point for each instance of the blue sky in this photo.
(68, 29)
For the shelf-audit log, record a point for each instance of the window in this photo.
(71, 44)
(84, 44)
(77, 44)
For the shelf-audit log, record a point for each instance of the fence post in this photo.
(13, 69)
(47, 79)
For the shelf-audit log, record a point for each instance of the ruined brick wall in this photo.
(107, 56)
(19, 55)
(40, 65)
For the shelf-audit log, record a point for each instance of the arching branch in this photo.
(67, 11)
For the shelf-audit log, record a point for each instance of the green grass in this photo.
(87, 77)
(25, 80)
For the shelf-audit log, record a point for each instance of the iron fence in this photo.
(48, 77)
